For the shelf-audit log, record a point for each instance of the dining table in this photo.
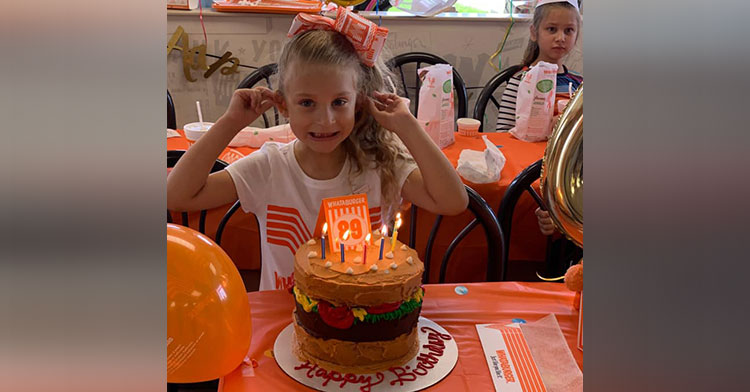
(241, 238)
(458, 308)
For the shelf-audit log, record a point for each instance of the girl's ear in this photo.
(278, 99)
(532, 32)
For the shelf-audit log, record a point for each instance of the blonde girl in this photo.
(352, 137)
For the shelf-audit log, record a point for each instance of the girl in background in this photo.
(553, 33)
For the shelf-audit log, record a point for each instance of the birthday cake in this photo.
(359, 315)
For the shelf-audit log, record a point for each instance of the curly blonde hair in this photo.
(369, 142)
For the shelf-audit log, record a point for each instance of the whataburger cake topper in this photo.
(342, 214)
(367, 37)
(343, 240)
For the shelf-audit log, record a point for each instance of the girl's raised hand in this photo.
(390, 111)
(247, 104)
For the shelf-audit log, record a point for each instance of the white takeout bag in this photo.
(481, 167)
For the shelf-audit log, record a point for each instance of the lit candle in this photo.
(383, 234)
(323, 241)
(346, 235)
(364, 249)
(395, 230)
(395, 233)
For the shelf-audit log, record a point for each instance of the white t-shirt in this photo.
(271, 184)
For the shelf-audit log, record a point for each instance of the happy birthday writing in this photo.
(314, 371)
(425, 361)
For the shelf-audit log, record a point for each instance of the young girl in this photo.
(350, 139)
(553, 33)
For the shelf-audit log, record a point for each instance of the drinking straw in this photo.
(200, 114)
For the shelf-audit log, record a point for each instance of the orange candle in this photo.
(364, 249)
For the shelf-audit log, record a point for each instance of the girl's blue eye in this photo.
(306, 103)
(339, 102)
(551, 29)
(570, 30)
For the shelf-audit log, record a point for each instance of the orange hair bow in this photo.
(367, 37)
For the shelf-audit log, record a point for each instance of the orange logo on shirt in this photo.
(283, 282)
(285, 227)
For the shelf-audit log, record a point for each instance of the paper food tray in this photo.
(270, 6)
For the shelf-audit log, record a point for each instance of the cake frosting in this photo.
(359, 316)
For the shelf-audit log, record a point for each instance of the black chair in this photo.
(251, 278)
(483, 215)
(262, 77)
(383, 5)
(225, 219)
(171, 119)
(205, 386)
(172, 157)
(398, 63)
(556, 251)
(488, 92)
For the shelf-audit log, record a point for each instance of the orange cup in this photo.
(468, 127)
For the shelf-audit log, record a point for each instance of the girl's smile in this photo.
(320, 136)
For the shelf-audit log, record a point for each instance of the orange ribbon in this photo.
(367, 37)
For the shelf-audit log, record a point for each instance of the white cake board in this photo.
(435, 359)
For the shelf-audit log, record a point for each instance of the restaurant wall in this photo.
(257, 39)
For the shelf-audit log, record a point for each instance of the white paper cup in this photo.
(561, 104)
(193, 131)
(468, 126)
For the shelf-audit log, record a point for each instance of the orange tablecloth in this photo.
(271, 312)
(241, 241)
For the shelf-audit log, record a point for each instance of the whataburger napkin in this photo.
(530, 357)
(552, 355)
(481, 167)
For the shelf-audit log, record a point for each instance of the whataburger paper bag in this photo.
(436, 103)
(530, 357)
(535, 103)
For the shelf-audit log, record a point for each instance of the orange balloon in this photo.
(208, 314)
